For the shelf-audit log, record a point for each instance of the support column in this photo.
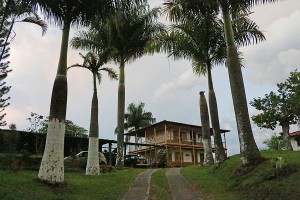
(166, 144)
(100, 147)
(194, 156)
(155, 139)
(109, 154)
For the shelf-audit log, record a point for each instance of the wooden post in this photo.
(109, 154)
(136, 140)
(194, 156)
(165, 133)
(166, 144)
(179, 139)
(224, 140)
(155, 136)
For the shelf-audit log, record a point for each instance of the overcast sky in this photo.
(169, 89)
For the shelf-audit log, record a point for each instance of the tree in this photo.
(12, 127)
(199, 38)
(136, 117)
(208, 156)
(4, 64)
(4, 89)
(13, 12)
(250, 154)
(10, 11)
(94, 62)
(280, 108)
(36, 123)
(63, 13)
(72, 129)
(275, 143)
(129, 31)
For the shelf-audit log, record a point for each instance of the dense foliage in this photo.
(281, 107)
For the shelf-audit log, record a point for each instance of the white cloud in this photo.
(289, 58)
(184, 82)
(273, 60)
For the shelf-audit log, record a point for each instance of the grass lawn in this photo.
(266, 181)
(110, 186)
(160, 189)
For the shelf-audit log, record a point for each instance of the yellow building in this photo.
(173, 143)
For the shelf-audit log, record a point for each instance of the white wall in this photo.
(187, 156)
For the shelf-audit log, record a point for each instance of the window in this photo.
(184, 136)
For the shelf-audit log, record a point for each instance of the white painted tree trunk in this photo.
(52, 165)
(208, 156)
(92, 166)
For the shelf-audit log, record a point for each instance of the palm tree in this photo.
(200, 39)
(249, 151)
(63, 13)
(136, 117)
(94, 63)
(208, 156)
(129, 31)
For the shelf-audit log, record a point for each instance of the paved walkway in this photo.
(141, 187)
(181, 189)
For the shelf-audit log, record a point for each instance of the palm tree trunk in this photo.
(213, 108)
(121, 112)
(208, 156)
(286, 138)
(52, 165)
(92, 166)
(249, 151)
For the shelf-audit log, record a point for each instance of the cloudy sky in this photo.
(169, 89)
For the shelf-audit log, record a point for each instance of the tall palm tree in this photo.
(129, 31)
(200, 39)
(63, 13)
(208, 156)
(94, 62)
(249, 151)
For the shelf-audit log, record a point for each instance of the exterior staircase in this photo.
(161, 157)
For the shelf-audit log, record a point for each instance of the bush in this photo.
(16, 162)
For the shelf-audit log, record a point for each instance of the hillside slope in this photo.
(276, 178)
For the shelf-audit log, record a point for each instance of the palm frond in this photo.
(38, 21)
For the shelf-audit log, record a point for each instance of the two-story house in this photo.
(177, 144)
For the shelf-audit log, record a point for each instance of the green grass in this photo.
(110, 186)
(159, 186)
(230, 181)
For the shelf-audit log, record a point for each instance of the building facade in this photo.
(170, 143)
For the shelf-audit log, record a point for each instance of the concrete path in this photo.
(141, 187)
(181, 189)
